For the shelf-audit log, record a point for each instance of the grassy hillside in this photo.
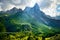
(21, 27)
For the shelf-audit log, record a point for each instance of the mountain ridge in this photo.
(33, 16)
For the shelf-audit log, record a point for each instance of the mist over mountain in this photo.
(29, 19)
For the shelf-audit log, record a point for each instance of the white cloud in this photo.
(45, 3)
(51, 10)
(8, 4)
(47, 6)
(16, 1)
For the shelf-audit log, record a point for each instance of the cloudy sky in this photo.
(50, 7)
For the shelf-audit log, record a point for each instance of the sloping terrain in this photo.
(31, 21)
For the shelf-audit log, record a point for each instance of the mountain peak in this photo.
(14, 8)
(36, 7)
